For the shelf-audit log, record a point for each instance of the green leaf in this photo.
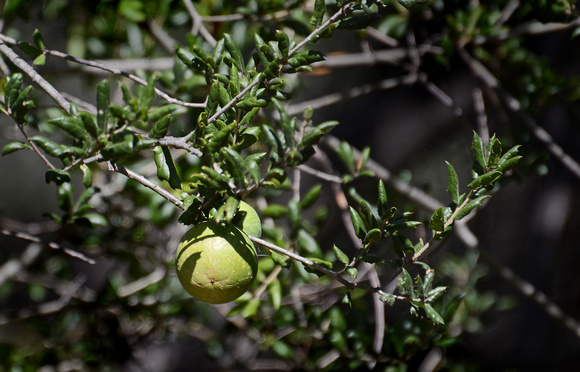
(373, 236)
(405, 225)
(103, 101)
(437, 220)
(493, 152)
(275, 291)
(382, 207)
(358, 22)
(12, 89)
(220, 138)
(39, 61)
(50, 147)
(320, 262)
(479, 148)
(485, 180)
(453, 187)
(311, 196)
(236, 165)
(84, 198)
(89, 123)
(470, 206)
(38, 40)
(165, 167)
(65, 196)
(308, 243)
(71, 125)
(251, 308)
(435, 293)
(283, 43)
(87, 175)
(352, 271)
(13, 147)
(360, 229)
(388, 298)
(508, 164)
(340, 255)
(318, 14)
(160, 128)
(29, 49)
(275, 211)
(306, 57)
(234, 50)
(227, 211)
(433, 315)
(405, 284)
(346, 155)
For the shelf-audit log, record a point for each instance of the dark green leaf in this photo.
(38, 40)
(485, 180)
(318, 14)
(358, 22)
(508, 164)
(275, 291)
(373, 236)
(320, 262)
(65, 196)
(29, 49)
(346, 155)
(479, 148)
(406, 225)
(453, 187)
(50, 147)
(470, 206)
(13, 147)
(71, 125)
(275, 211)
(283, 42)
(165, 167)
(340, 255)
(437, 220)
(493, 152)
(308, 243)
(220, 139)
(382, 206)
(388, 298)
(234, 50)
(160, 128)
(433, 315)
(405, 284)
(360, 229)
(435, 293)
(87, 175)
(306, 57)
(89, 123)
(311, 196)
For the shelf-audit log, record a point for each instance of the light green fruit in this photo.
(215, 263)
(248, 220)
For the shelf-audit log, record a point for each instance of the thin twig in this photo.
(529, 29)
(198, 25)
(53, 245)
(114, 167)
(58, 97)
(35, 76)
(481, 72)
(355, 92)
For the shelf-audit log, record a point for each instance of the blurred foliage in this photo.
(59, 311)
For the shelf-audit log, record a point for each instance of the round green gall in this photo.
(215, 263)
